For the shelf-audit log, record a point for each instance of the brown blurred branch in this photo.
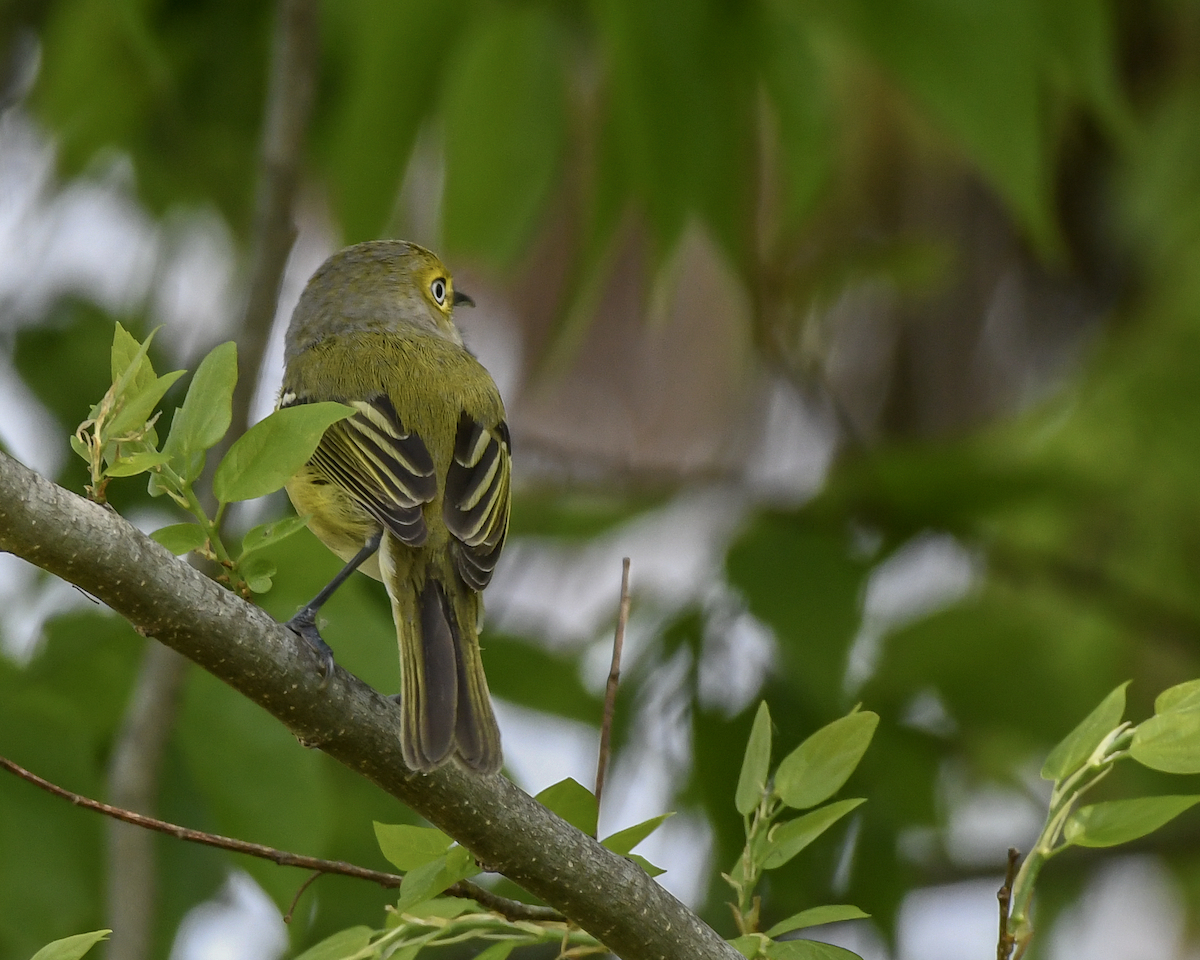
(607, 895)
(510, 909)
(137, 754)
(294, 63)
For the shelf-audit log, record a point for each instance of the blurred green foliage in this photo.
(773, 123)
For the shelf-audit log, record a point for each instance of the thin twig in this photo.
(1005, 943)
(287, 917)
(510, 909)
(614, 679)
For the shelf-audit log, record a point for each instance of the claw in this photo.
(304, 625)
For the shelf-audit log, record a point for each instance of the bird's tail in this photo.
(445, 699)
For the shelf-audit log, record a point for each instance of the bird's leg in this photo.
(305, 621)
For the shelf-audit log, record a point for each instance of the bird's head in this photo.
(381, 285)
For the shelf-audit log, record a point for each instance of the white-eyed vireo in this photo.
(413, 489)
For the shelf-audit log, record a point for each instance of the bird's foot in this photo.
(305, 625)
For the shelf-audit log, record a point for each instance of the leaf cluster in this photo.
(119, 440)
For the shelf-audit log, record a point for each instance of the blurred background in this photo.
(867, 329)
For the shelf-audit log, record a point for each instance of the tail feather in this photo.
(447, 709)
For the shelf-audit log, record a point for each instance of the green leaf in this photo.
(180, 538)
(792, 80)
(747, 946)
(266, 534)
(1182, 696)
(206, 413)
(752, 782)
(1169, 742)
(71, 948)
(422, 883)
(1119, 821)
(977, 68)
(432, 878)
(787, 839)
(505, 129)
(407, 847)
(498, 951)
(129, 360)
(270, 453)
(136, 407)
(344, 943)
(137, 463)
(1072, 751)
(816, 769)
(573, 802)
(444, 908)
(388, 77)
(257, 571)
(80, 448)
(645, 864)
(625, 840)
(815, 916)
(808, 950)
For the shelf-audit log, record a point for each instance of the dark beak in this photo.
(461, 298)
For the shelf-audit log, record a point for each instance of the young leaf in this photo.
(71, 948)
(1119, 821)
(137, 463)
(266, 534)
(206, 412)
(815, 916)
(788, 839)
(1169, 742)
(816, 769)
(180, 538)
(747, 946)
(1182, 696)
(808, 950)
(755, 764)
(1073, 750)
(267, 455)
(137, 406)
(126, 351)
(625, 840)
(573, 802)
(646, 865)
(430, 879)
(257, 571)
(344, 943)
(423, 883)
(407, 847)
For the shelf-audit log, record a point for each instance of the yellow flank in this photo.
(338, 522)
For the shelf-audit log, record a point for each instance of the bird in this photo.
(413, 488)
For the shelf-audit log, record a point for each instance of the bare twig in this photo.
(510, 909)
(1005, 943)
(287, 917)
(614, 679)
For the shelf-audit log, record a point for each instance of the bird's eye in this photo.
(438, 289)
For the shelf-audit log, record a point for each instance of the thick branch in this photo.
(503, 827)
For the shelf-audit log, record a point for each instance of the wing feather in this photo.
(386, 468)
(476, 504)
